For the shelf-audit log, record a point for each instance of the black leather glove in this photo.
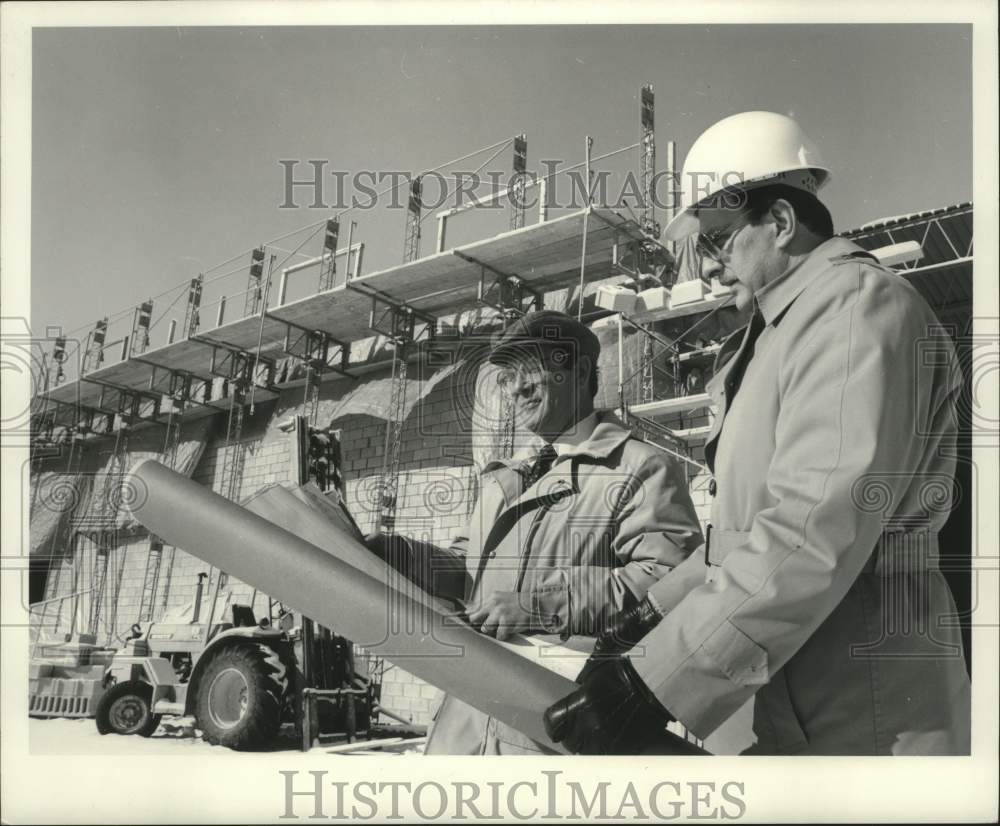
(622, 633)
(613, 712)
(394, 551)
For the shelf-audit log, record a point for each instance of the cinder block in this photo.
(429, 692)
(687, 292)
(658, 298)
(617, 298)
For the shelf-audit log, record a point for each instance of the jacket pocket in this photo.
(737, 656)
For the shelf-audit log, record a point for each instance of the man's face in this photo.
(741, 255)
(545, 391)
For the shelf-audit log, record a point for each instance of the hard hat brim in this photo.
(686, 222)
(683, 224)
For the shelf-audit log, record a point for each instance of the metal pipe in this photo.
(621, 368)
(671, 206)
(489, 200)
(199, 589)
(441, 219)
(381, 709)
(358, 257)
(319, 259)
(282, 288)
(260, 330)
(586, 220)
(347, 264)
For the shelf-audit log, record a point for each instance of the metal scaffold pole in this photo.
(389, 482)
(586, 222)
(647, 170)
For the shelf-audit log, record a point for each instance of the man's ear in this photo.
(584, 364)
(786, 223)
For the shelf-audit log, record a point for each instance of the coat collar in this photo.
(607, 436)
(777, 296)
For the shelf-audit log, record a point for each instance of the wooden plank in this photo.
(186, 355)
(693, 308)
(341, 313)
(245, 332)
(420, 277)
(692, 435)
(564, 255)
(704, 352)
(368, 745)
(260, 395)
(70, 392)
(131, 373)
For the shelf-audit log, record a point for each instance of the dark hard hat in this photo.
(544, 330)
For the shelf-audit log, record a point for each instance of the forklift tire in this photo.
(125, 708)
(239, 700)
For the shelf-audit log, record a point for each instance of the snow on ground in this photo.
(61, 736)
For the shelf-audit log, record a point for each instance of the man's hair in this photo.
(571, 356)
(808, 209)
(592, 379)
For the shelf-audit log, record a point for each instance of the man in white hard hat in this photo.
(817, 592)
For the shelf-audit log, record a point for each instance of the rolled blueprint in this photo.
(432, 645)
(307, 513)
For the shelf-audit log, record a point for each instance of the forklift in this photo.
(240, 678)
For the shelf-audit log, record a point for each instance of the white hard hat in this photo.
(740, 152)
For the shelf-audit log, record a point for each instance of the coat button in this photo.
(712, 487)
(492, 554)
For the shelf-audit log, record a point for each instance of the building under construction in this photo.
(374, 384)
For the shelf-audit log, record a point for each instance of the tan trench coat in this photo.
(835, 464)
(613, 514)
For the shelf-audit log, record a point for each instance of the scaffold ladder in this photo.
(110, 503)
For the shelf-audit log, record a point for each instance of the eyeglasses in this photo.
(513, 379)
(715, 243)
(507, 377)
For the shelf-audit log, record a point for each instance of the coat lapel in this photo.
(561, 481)
(716, 387)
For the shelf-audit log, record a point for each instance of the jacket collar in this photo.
(607, 436)
(777, 296)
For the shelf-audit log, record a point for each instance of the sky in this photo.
(155, 151)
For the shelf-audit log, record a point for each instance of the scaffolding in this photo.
(414, 207)
(517, 182)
